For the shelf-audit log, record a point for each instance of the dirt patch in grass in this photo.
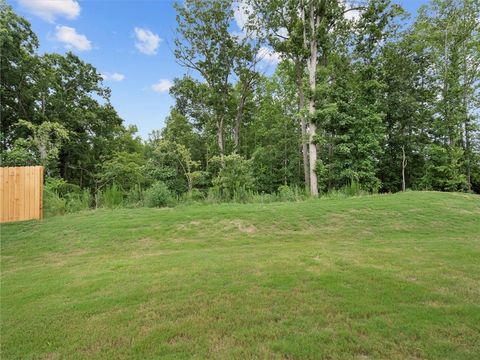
(194, 224)
(245, 228)
(146, 253)
(146, 242)
(58, 259)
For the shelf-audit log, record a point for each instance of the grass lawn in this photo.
(384, 276)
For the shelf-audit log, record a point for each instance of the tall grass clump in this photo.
(61, 197)
(78, 201)
(135, 197)
(291, 193)
(353, 189)
(53, 204)
(111, 197)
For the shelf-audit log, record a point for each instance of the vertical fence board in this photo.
(2, 200)
(11, 195)
(35, 194)
(21, 190)
(28, 185)
(21, 195)
(6, 200)
(40, 185)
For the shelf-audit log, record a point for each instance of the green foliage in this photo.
(61, 197)
(61, 187)
(135, 197)
(172, 163)
(66, 108)
(123, 169)
(194, 196)
(41, 147)
(353, 189)
(443, 169)
(394, 103)
(158, 195)
(53, 204)
(291, 193)
(111, 197)
(234, 180)
(20, 154)
(78, 202)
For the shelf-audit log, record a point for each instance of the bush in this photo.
(194, 196)
(61, 197)
(78, 202)
(353, 189)
(235, 178)
(136, 196)
(158, 195)
(263, 198)
(53, 204)
(290, 193)
(111, 197)
(61, 187)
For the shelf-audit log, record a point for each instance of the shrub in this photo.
(290, 193)
(135, 197)
(53, 204)
(61, 187)
(61, 197)
(158, 195)
(78, 202)
(194, 196)
(263, 198)
(235, 178)
(353, 189)
(197, 195)
(111, 197)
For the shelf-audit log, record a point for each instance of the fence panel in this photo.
(21, 191)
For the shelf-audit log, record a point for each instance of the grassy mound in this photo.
(385, 276)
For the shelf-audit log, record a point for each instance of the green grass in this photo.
(384, 276)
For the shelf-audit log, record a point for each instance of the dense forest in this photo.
(365, 97)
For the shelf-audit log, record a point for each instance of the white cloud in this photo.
(352, 15)
(268, 55)
(147, 41)
(113, 77)
(50, 9)
(162, 86)
(241, 12)
(71, 39)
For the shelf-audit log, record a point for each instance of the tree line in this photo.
(363, 95)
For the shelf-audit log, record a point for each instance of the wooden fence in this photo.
(21, 193)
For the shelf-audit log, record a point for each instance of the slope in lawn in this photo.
(387, 276)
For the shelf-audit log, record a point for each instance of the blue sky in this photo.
(130, 42)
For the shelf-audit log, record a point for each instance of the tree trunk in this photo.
(303, 125)
(466, 125)
(467, 152)
(312, 128)
(404, 164)
(238, 121)
(220, 140)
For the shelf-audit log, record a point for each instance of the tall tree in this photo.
(206, 45)
(450, 31)
(18, 61)
(281, 24)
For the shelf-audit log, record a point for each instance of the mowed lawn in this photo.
(383, 276)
